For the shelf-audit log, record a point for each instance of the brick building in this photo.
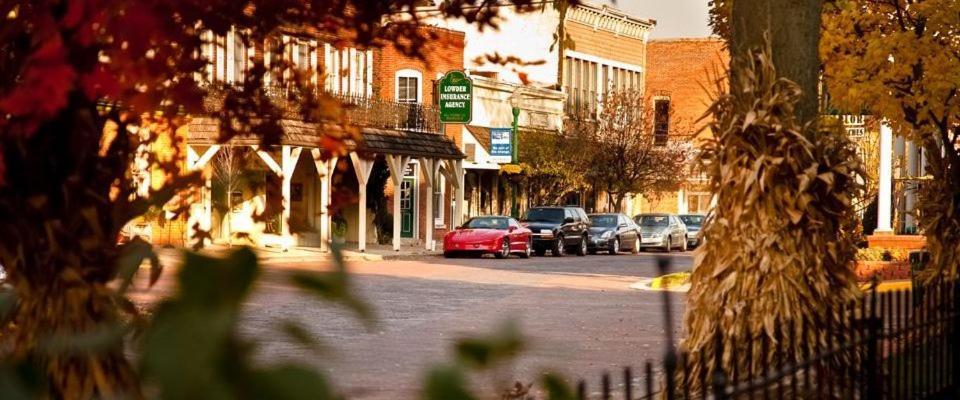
(678, 71)
(291, 185)
(407, 80)
(609, 54)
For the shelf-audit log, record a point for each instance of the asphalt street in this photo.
(578, 316)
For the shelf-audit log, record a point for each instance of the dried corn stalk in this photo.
(778, 249)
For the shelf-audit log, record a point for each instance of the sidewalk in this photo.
(273, 255)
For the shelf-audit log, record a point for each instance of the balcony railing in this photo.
(376, 113)
(361, 110)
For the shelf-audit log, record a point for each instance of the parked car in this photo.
(558, 229)
(613, 233)
(693, 222)
(495, 235)
(663, 231)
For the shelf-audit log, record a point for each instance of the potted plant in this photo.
(339, 229)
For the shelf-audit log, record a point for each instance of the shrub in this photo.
(881, 254)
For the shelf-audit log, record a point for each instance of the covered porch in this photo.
(290, 205)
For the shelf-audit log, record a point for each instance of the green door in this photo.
(406, 207)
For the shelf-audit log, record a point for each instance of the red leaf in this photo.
(75, 10)
(47, 81)
(99, 84)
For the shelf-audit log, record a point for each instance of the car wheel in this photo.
(540, 252)
(615, 249)
(582, 249)
(668, 244)
(504, 249)
(449, 254)
(636, 246)
(683, 247)
(527, 250)
(558, 247)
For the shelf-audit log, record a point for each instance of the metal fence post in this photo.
(872, 365)
(670, 358)
(955, 339)
(719, 377)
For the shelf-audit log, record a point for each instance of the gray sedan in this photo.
(662, 231)
(693, 222)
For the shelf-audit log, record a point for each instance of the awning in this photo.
(409, 143)
(482, 134)
(205, 131)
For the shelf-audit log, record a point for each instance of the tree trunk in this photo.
(618, 202)
(229, 217)
(793, 27)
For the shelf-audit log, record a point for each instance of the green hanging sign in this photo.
(455, 92)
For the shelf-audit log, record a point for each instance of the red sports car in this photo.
(495, 235)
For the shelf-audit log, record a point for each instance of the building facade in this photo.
(678, 71)
(520, 65)
(282, 196)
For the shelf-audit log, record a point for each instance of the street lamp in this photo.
(516, 99)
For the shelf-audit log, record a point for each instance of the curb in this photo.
(644, 284)
(171, 259)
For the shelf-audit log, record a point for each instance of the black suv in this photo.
(558, 229)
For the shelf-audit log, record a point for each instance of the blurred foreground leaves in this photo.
(487, 354)
(191, 348)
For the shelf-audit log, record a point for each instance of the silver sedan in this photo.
(662, 231)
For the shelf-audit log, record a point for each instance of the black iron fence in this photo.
(901, 344)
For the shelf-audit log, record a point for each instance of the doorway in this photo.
(407, 200)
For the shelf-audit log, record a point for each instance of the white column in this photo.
(200, 215)
(288, 163)
(428, 170)
(363, 167)
(910, 196)
(325, 171)
(458, 212)
(681, 201)
(885, 180)
(397, 165)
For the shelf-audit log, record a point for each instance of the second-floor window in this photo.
(348, 71)
(300, 54)
(661, 120)
(408, 86)
(228, 56)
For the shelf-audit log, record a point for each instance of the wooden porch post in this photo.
(200, 214)
(363, 167)
(325, 170)
(289, 156)
(428, 169)
(454, 173)
(397, 164)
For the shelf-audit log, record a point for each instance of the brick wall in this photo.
(606, 44)
(681, 68)
(442, 54)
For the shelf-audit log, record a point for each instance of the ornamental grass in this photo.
(779, 246)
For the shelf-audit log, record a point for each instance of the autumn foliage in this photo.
(84, 86)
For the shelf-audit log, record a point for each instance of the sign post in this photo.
(456, 98)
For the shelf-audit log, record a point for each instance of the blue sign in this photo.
(500, 148)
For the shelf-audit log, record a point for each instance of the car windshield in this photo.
(604, 221)
(653, 220)
(545, 215)
(692, 220)
(486, 223)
